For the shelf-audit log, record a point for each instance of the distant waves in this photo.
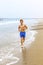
(8, 22)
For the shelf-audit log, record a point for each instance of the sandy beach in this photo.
(31, 54)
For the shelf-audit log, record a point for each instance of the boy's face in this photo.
(21, 22)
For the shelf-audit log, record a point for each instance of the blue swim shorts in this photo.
(22, 34)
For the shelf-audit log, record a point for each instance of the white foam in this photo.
(0, 60)
(31, 38)
(13, 62)
(10, 57)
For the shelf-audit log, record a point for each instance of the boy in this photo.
(22, 28)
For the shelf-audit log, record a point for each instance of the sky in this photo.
(21, 8)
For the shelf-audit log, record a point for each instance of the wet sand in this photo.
(35, 52)
(32, 55)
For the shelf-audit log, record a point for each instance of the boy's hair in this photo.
(21, 20)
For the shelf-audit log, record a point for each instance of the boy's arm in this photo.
(18, 28)
(26, 27)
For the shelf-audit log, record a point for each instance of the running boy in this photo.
(22, 28)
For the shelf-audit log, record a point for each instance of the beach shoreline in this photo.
(30, 54)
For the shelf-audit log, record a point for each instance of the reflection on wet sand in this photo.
(24, 56)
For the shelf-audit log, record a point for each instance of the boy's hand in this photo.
(26, 27)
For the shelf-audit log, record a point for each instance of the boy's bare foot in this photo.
(22, 46)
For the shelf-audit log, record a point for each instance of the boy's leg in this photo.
(22, 35)
(22, 41)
